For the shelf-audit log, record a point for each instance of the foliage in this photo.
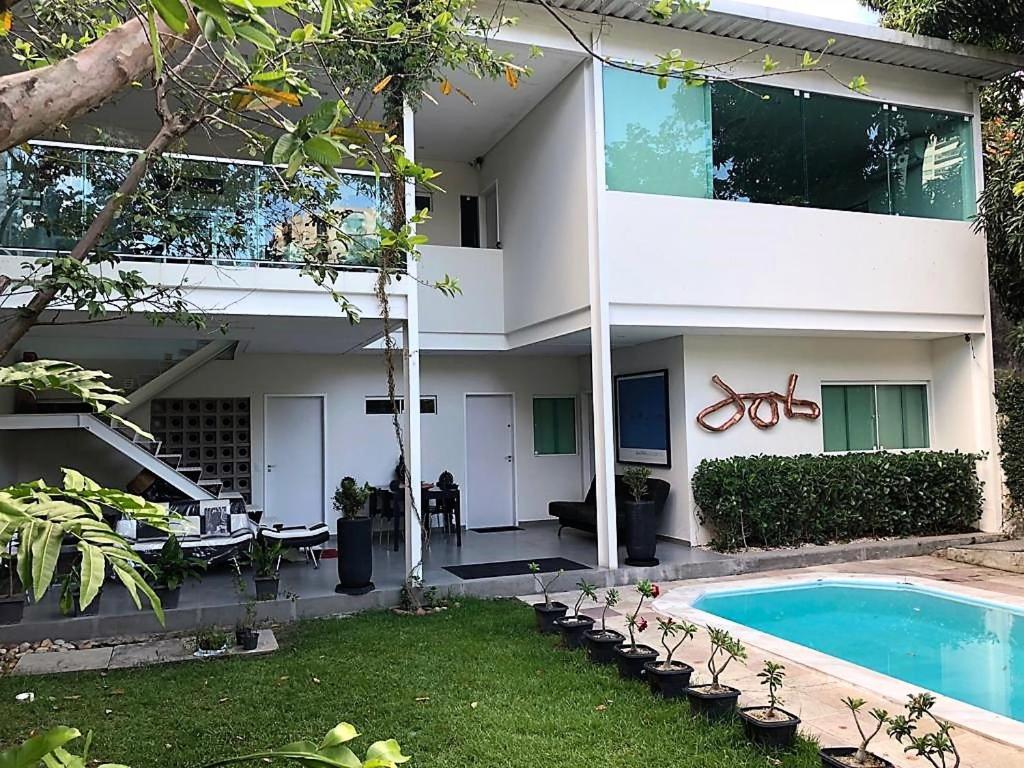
(1010, 425)
(545, 584)
(936, 745)
(636, 478)
(724, 649)
(611, 599)
(645, 589)
(880, 716)
(780, 501)
(248, 621)
(587, 592)
(42, 517)
(997, 24)
(210, 639)
(264, 556)
(70, 591)
(670, 628)
(349, 498)
(413, 597)
(772, 675)
(172, 566)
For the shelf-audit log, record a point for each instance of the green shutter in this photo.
(554, 426)
(833, 416)
(890, 417)
(860, 417)
(915, 416)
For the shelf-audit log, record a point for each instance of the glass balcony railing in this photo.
(194, 210)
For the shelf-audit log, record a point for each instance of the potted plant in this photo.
(170, 570)
(668, 677)
(547, 612)
(247, 634)
(210, 641)
(714, 700)
(12, 601)
(573, 627)
(265, 556)
(631, 658)
(641, 525)
(70, 595)
(857, 757)
(936, 746)
(355, 538)
(601, 643)
(771, 727)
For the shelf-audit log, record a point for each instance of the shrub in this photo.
(1010, 400)
(780, 501)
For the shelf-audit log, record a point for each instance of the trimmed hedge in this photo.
(1010, 400)
(783, 501)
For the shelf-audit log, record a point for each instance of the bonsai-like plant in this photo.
(545, 586)
(586, 590)
(772, 675)
(670, 628)
(633, 623)
(880, 716)
(636, 479)
(611, 599)
(172, 566)
(937, 746)
(724, 649)
(248, 622)
(264, 556)
(350, 498)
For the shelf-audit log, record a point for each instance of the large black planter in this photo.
(266, 587)
(601, 644)
(572, 629)
(641, 533)
(713, 704)
(779, 733)
(828, 757)
(547, 614)
(168, 597)
(630, 659)
(669, 683)
(355, 556)
(12, 608)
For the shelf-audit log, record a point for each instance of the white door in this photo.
(490, 472)
(293, 447)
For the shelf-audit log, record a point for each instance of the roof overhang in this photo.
(863, 42)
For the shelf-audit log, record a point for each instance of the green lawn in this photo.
(473, 686)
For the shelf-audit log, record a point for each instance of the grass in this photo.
(473, 686)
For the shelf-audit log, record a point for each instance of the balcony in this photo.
(188, 210)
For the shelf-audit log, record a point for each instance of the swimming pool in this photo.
(970, 650)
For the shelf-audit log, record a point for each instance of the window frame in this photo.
(400, 401)
(874, 384)
(575, 424)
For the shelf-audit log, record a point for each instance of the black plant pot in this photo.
(601, 645)
(266, 587)
(168, 597)
(713, 704)
(547, 614)
(12, 608)
(669, 683)
(630, 659)
(770, 734)
(828, 757)
(641, 533)
(355, 556)
(572, 629)
(248, 638)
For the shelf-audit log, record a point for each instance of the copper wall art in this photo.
(807, 408)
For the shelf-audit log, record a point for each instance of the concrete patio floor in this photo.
(816, 696)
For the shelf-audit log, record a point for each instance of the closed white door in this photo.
(490, 472)
(293, 476)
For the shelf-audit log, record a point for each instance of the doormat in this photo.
(497, 529)
(514, 567)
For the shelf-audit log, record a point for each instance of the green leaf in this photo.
(45, 544)
(1018, 188)
(93, 569)
(322, 151)
(31, 752)
(386, 750)
(339, 734)
(173, 13)
(283, 149)
(256, 36)
(396, 28)
(154, 37)
(328, 17)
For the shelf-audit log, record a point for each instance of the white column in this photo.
(411, 378)
(600, 330)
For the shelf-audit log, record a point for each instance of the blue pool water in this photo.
(967, 650)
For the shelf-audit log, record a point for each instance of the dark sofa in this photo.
(583, 514)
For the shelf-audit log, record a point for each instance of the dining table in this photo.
(381, 500)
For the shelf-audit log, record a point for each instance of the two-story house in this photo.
(618, 246)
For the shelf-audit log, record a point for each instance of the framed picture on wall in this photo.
(642, 419)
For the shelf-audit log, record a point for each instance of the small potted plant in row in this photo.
(210, 642)
(714, 700)
(601, 643)
(548, 611)
(573, 627)
(631, 657)
(265, 557)
(935, 744)
(771, 727)
(170, 570)
(247, 633)
(858, 757)
(670, 678)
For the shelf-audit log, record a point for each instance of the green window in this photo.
(554, 426)
(865, 417)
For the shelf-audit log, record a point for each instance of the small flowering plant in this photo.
(633, 622)
(670, 629)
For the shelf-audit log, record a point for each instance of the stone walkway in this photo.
(813, 695)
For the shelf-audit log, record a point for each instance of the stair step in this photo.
(210, 483)
(170, 459)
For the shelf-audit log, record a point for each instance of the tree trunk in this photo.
(35, 101)
(27, 316)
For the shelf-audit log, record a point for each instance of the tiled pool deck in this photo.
(815, 695)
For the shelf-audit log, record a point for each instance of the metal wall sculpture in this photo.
(808, 408)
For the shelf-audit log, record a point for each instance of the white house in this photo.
(599, 227)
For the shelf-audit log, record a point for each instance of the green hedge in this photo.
(1010, 400)
(781, 501)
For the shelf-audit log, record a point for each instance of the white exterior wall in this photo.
(473, 319)
(445, 225)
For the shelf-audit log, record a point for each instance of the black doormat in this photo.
(497, 529)
(514, 567)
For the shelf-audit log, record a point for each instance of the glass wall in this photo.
(185, 210)
(755, 143)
